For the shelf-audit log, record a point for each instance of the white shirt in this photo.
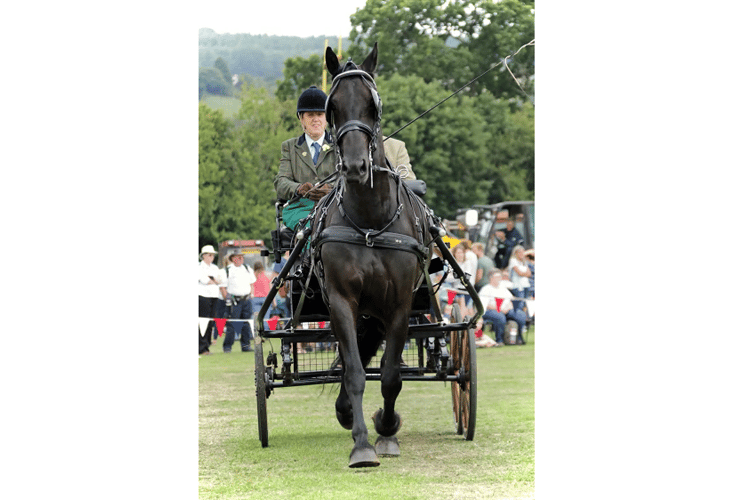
(205, 289)
(470, 265)
(520, 282)
(489, 293)
(238, 279)
(310, 142)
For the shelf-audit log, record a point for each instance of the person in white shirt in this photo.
(520, 272)
(209, 279)
(498, 319)
(238, 292)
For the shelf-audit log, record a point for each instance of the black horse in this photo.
(370, 241)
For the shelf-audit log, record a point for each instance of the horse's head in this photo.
(353, 109)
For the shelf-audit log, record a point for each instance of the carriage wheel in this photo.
(261, 395)
(464, 391)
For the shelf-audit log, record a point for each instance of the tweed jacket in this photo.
(296, 165)
(396, 153)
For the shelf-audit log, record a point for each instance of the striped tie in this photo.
(317, 147)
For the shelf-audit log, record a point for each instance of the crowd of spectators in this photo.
(506, 293)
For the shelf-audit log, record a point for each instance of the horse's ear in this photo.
(369, 65)
(332, 62)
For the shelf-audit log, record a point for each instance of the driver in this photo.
(310, 158)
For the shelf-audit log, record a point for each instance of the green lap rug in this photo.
(295, 211)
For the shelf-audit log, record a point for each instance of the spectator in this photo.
(260, 288)
(530, 256)
(281, 306)
(463, 298)
(485, 264)
(507, 237)
(519, 272)
(239, 291)
(505, 281)
(471, 259)
(498, 319)
(209, 281)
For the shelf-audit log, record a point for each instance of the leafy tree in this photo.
(517, 157)
(299, 74)
(211, 81)
(223, 69)
(214, 143)
(447, 147)
(450, 42)
(237, 165)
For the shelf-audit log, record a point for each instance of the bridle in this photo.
(373, 133)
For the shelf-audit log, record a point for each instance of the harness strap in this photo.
(392, 241)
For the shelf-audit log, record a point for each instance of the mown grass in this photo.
(308, 451)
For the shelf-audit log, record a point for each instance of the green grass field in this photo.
(229, 105)
(308, 451)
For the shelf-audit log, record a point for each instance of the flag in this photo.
(220, 325)
(498, 304)
(450, 296)
(273, 322)
(202, 324)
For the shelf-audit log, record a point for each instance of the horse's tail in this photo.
(370, 333)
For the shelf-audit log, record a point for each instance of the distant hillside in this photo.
(259, 56)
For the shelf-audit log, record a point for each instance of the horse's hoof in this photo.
(364, 457)
(387, 446)
(381, 429)
(345, 420)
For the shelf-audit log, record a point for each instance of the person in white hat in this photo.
(237, 289)
(209, 280)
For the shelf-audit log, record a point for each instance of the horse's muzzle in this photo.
(355, 170)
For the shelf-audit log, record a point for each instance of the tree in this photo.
(237, 165)
(450, 42)
(447, 147)
(214, 141)
(223, 69)
(210, 81)
(299, 75)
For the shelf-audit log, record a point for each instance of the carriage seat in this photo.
(417, 186)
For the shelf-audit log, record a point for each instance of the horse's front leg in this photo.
(386, 420)
(343, 318)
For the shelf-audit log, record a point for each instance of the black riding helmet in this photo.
(312, 99)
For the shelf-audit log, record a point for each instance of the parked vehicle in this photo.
(253, 250)
(482, 221)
